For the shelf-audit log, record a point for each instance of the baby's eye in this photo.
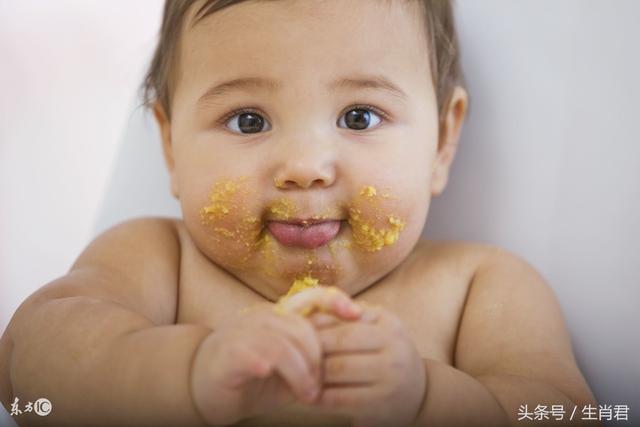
(247, 122)
(360, 118)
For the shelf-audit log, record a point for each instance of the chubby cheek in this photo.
(385, 223)
(376, 219)
(232, 221)
(232, 227)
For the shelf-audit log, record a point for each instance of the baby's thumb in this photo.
(324, 299)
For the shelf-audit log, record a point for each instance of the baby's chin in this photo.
(281, 265)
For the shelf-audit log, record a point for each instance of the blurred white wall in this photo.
(549, 165)
(69, 70)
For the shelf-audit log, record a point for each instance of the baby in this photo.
(304, 140)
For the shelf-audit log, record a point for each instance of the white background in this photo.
(548, 166)
(68, 75)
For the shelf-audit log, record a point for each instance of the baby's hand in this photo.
(263, 358)
(372, 371)
(322, 299)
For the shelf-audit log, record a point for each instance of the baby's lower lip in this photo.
(308, 237)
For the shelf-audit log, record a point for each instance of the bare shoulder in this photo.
(457, 257)
(459, 250)
(513, 325)
(444, 267)
(135, 263)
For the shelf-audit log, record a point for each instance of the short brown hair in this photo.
(439, 25)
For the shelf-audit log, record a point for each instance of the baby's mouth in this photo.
(304, 233)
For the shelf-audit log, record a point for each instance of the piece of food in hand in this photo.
(301, 284)
(297, 286)
(318, 298)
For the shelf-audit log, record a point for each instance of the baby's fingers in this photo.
(351, 337)
(283, 357)
(301, 333)
(324, 299)
(326, 320)
(244, 365)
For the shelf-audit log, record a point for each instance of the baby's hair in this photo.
(439, 26)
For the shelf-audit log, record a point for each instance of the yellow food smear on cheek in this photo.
(221, 199)
(267, 249)
(368, 191)
(366, 235)
(229, 220)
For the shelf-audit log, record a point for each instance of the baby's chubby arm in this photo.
(100, 342)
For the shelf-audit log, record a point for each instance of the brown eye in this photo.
(247, 122)
(359, 119)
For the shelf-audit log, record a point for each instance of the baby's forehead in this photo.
(322, 9)
(291, 35)
(356, 19)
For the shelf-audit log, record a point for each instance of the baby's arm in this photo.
(100, 342)
(513, 349)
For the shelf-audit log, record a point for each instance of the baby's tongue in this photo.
(308, 237)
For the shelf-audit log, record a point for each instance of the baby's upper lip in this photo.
(305, 221)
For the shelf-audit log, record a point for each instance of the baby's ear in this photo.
(450, 127)
(164, 124)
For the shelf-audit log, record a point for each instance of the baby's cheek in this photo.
(232, 229)
(376, 220)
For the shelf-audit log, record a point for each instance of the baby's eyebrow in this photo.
(379, 82)
(251, 84)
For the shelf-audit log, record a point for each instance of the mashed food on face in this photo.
(234, 223)
(229, 221)
(221, 199)
(282, 209)
(224, 203)
(368, 191)
(366, 235)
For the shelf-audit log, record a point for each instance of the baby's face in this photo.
(302, 140)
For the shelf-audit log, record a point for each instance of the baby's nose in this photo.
(300, 176)
(302, 167)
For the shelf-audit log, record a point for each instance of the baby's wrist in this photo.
(193, 376)
(424, 394)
